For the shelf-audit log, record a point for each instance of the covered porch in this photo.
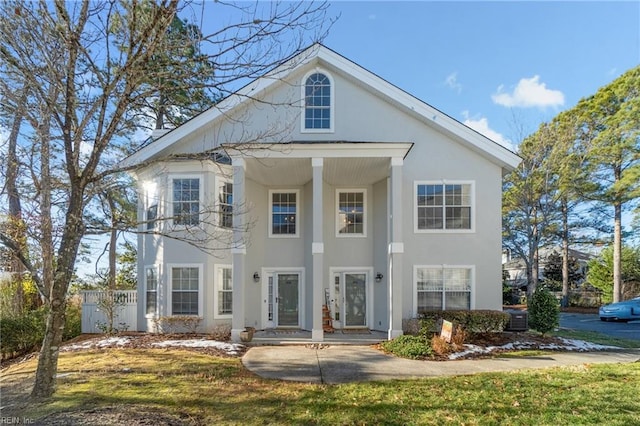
(321, 171)
(302, 337)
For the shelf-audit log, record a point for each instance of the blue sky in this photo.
(499, 67)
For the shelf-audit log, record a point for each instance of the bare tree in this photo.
(87, 66)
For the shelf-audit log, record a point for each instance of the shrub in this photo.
(544, 311)
(221, 332)
(22, 334)
(411, 326)
(440, 346)
(473, 322)
(177, 324)
(413, 347)
(459, 337)
(73, 324)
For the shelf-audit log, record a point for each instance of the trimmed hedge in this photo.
(473, 322)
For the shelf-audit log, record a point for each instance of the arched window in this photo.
(317, 102)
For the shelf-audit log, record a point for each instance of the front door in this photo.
(355, 300)
(284, 299)
(350, 299)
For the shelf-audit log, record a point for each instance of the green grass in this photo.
(599, 338)
(204, 389)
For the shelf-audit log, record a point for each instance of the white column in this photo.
(396, 248)
(317, 250)
(238, 250)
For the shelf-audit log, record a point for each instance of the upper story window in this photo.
(284, 213)
(225, 214)
(152, 215)
(317, 103)
(151, 203)
(351, 212)
(186, 201)
(444, 207)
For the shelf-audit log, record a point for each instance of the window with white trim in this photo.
(151, 289)
(284, 207)
(225, 203)
(444, 206)
(186, 201)
(152, 215)
(317, 102)
(443, 288)
(351, 212)
(185, 288)
(224, 291)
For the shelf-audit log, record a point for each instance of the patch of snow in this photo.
(587, 346)
(568, 345)
(118, 341)
(230, 348)
(88, 344)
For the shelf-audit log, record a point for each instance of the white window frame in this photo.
(472, 290)
(151, 200)
(221, 183)
(218, 270)
(298, 212)
(472, 215)
(146, 291)
(363, 234)
(170, 267)
(151, 223)
(174, 177)
(332, 106)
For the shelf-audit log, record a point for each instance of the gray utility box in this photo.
(519, 321)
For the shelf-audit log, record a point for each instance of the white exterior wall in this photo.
(360, 116)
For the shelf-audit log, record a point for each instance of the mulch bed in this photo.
(147, 340)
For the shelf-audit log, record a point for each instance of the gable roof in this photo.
(319, 53)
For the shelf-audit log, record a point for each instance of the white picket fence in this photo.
(125, 314)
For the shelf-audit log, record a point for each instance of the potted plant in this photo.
(247, 334)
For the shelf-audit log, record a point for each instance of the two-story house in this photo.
(319, 184)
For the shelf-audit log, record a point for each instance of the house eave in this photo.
(337, 149)
(317, 53)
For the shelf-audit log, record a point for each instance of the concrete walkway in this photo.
(346, 363)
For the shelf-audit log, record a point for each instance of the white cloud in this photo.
(452, 82)
(529, 92)
(481, 125)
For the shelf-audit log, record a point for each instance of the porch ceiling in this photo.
(298, 171)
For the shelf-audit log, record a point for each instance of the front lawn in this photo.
(598, 338)
(176, 386)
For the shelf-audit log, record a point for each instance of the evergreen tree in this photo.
(610, 134)
(601, 272)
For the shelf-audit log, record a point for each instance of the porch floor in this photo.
(303, 337)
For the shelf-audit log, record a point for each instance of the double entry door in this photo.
(349, 299)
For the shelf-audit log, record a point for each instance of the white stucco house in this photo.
(321, 185)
